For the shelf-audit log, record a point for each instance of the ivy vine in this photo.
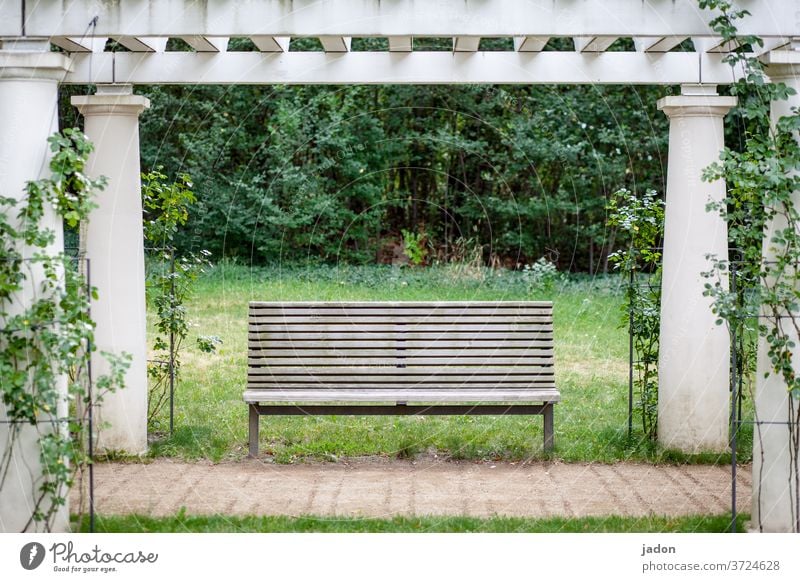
(47, 334)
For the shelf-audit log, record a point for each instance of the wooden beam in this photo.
(271, 44)
(657, 44)
(203, 44)
(382, 18)
(87, 44)
(466, 44)
(400, 44)
(530, 44)
(11, 17)
(713, 45)
(149, 44)
(717, 45)
(772, 44)
(593, 44)
(416, 67)
(335, 44)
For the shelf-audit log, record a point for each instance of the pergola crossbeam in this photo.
(203, 44)
(400, 44)
(593, 44)
(771, 44)
(335, 44)
(466, 44)
(87, 44)
(657, 44)
(153, 44)
(713, 44)
(379, 18)
(418, 67)
(271, 44)
(530, 44)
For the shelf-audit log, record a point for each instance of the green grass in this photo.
(591, 372)
(271, 524)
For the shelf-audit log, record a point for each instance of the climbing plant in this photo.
(170, 279)
(640, 219)
(762, 178)
(46, 337)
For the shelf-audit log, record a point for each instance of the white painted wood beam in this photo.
(712, 44)
(148, 44)
(657, 44)
(203, 44)
(418, 67)
(530, 44)
(271, 44)
(466, 44)
(335, 44)
(771, 44)
(89, 44)
(11, 18)
(593, 44)
(382, 18)
(400, 44)
(717, 45)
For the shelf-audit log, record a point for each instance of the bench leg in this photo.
(548, 428)
(253, 431)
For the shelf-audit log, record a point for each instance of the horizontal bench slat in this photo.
(373, 329)
(391, 371)
(427, 305)
(527, 361)
(399, 320)
(323, 388)
(290, 351)
(499, 312)
(401, 383)
(357, 341)
(401, 395)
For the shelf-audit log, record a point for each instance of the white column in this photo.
(29, 76)
(115, 249)
(693, 367)
(773, 480)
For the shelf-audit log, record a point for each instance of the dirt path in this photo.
(378, 488)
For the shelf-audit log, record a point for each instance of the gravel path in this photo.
(382, 488)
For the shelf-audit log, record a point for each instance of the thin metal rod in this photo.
(90, 402)
(172, 343)
(630, 357)
(734, 427)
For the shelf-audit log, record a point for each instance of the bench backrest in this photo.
(442, 344)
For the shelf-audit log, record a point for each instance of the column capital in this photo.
(697, 105)
(114, 101)
(34, 66)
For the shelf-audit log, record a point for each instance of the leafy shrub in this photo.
(541, 275)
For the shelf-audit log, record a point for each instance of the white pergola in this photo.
(694, 358)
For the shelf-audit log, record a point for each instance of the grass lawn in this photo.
(268, 524)
(591, 372)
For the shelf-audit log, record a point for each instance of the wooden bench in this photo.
(400, 358)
